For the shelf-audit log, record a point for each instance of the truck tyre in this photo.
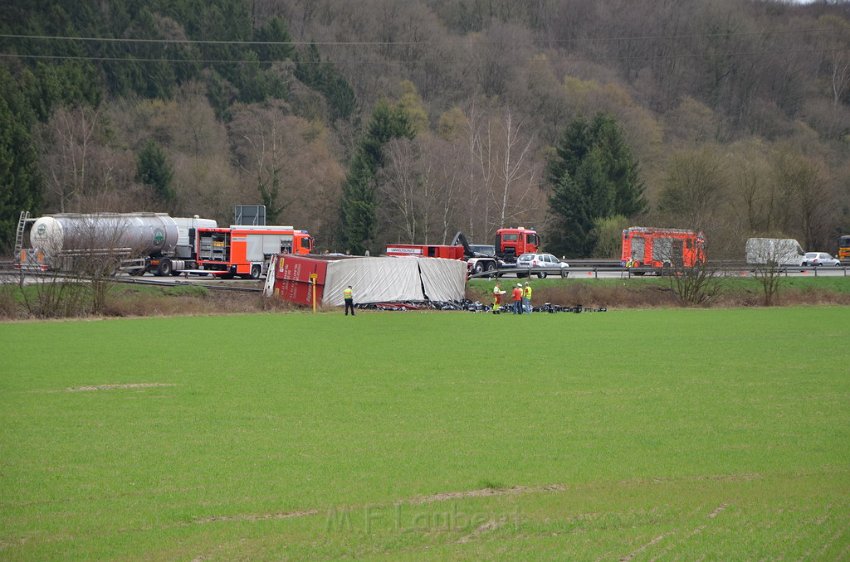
(164, 268)
(541, 275)
(256, 270)
(479, 267)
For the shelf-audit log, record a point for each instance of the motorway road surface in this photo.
(588, 273)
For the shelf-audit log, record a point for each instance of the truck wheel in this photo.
(164, 268)
(541, 275)
(479, 267)
(256, 270)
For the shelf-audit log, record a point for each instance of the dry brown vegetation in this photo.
(640, 294)
(132, 302)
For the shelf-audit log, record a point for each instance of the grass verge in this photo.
(657, 292)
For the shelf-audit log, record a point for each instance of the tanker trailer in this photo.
(184, 256)
(131, 238)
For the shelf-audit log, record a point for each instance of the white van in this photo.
(781, 251)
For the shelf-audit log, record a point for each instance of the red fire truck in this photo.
(245, 250)
(662, 247)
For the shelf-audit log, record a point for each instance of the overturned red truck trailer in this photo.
(374, 279)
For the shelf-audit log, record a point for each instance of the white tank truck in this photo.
(139, 242)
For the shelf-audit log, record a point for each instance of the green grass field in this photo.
(633, 435)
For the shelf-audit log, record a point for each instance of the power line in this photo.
(209, 41)
(730, 34)
(185, 61)
(390, 62)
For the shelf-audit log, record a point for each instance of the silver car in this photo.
(819, 258)
(542, 265)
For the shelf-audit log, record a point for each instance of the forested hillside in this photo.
(369, 121)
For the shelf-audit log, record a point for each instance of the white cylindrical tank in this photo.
(185, 224)
(144, 234)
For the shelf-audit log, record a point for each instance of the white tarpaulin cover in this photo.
(443, 280)
(395, 279)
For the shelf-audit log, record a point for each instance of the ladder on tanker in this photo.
(19, 234)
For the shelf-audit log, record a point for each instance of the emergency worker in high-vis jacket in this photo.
(497, 298)
(348, 295)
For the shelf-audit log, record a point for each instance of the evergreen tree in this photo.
(279, 45)
(20, 180)
(153, 169)
(322, 76)
(270, 193)
(358, 215)
(220, 94)
(593, 176)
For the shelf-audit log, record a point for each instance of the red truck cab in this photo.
(512, 242)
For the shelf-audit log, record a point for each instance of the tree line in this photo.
(376, 121)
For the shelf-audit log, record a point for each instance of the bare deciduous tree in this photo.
(398, 183)
(69, 139)
(82, 259)
(696, 185)
(766, 260)
(419, 184)
(807, 197)
(516, 176)
(697, 285)
(503, 185)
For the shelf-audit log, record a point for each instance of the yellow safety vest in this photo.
(528, 292)
(347, 293)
